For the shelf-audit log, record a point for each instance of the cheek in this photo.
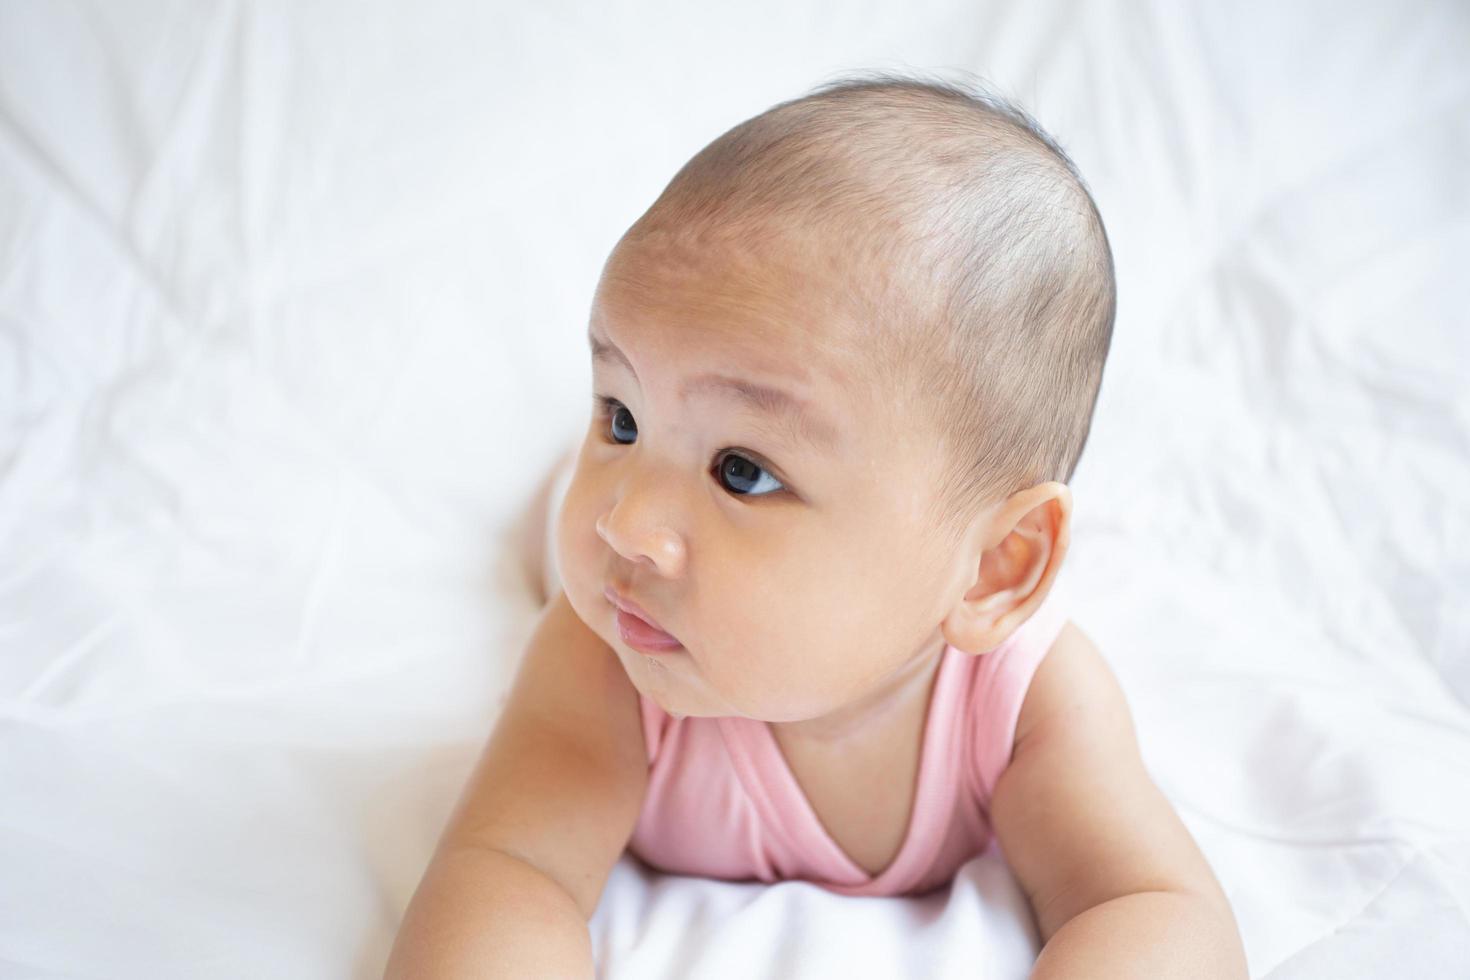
(776, 641)
(860, 603)
(578, 548)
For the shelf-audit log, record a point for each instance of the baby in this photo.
(843, 369)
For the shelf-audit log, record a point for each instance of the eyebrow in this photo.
(802, 422)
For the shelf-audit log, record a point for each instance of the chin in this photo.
(669, 702)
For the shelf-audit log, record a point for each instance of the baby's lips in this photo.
(637, 625)
(642, 636)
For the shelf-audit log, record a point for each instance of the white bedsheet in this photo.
(291, 310)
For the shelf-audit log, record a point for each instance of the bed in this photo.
(292, 304)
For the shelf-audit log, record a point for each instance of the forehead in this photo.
(770, 302)
(720, 319)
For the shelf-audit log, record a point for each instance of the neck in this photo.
(897, 696)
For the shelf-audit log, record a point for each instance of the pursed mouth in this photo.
(638, 629)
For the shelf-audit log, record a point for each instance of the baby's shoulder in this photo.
(1072, 678)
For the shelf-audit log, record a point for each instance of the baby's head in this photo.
(843, 369)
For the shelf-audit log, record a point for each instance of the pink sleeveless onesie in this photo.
(722, 802)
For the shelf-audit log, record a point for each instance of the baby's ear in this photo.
(1015, 556)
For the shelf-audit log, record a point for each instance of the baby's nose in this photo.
(641, 538)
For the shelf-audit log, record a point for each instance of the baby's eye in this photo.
(744, 477)
(620, 421)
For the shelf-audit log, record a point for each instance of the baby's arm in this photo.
(1118, 886)
(549, 808)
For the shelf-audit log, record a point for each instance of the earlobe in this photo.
(1011, 578)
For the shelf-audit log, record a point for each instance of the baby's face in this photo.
(742, 485)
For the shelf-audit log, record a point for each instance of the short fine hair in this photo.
(987, 279)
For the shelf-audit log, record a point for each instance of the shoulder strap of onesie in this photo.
(999, 686)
